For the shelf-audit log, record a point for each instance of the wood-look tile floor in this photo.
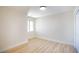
(42, 46)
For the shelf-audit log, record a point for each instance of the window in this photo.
(30, 26)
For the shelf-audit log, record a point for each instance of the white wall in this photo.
(12, 26)
(59, 27)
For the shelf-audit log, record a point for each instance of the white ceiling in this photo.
(35, 11)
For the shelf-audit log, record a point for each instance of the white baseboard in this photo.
(46, 38)
(41, 37)
(18, 44)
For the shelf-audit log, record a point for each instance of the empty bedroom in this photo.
(39, 29)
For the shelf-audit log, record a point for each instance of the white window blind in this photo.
(30, 26)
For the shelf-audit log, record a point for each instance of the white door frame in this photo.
(75, 38)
